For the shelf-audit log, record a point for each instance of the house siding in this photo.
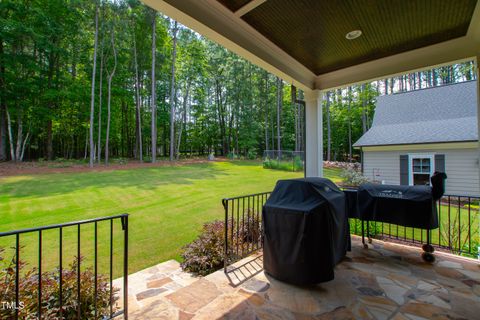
(461, 167)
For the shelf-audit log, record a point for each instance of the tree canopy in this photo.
(212, 100)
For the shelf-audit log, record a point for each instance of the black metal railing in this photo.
(243, 235)
(458, 231)
(77, 227)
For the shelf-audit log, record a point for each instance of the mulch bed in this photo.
(32, 168)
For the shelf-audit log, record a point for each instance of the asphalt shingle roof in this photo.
(440, 114)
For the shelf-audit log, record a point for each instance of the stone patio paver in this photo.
(386, 281)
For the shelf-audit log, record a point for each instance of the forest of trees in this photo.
(102, 79)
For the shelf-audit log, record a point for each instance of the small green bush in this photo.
(232, 156)
(121, 161)
(50, 304)
(283, 164)
(252, 154)
(352, 177)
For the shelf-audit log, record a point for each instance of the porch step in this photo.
(152, 284)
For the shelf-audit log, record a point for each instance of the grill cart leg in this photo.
(428, 249)
(365, 246)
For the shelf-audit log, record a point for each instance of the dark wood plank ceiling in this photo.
(234, 5)
(313, 31)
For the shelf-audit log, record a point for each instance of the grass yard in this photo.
(168, 206)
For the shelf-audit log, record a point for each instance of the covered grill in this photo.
(305, 230)
(410, 206)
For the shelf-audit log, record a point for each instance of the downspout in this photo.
(361, 160)
(302, 103)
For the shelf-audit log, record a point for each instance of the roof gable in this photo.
(440, 114)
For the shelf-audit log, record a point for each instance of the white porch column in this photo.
(314, 134)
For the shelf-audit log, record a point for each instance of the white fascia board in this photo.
(212, 20)
(248, 7)
(445, 53)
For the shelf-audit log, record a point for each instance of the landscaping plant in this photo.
(50, 305)
(205, 254)
(352, 177)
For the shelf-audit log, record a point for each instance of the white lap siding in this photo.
(461, 167)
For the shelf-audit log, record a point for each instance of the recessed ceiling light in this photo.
(353, 34)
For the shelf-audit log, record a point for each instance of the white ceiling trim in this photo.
(248, 7)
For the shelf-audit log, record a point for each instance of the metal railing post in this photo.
(125, 266)
(225, 253)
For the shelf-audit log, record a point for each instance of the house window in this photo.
(420, 169)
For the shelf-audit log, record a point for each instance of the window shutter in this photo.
(404, 169)
(440, 162)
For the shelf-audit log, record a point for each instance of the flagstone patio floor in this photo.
(386, 281)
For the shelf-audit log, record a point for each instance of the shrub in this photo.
(121, 161)
(250, 230)
(205, 254)
(298, 163)
(232, 156)
(50, 292)
(352, 177)
(252, 154)
(285, 165)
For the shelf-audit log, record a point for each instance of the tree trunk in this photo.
(92, 101)
(18, 148)
(3, 140)
(154, 97)
(86, 146)
(185, 102)
(3, 105)
(10, 138)
(172, 91)
(279, 111)
(49, 139)
(109, 99)
(293, 97)
(99, 143)
(138, 120)
(23, 146)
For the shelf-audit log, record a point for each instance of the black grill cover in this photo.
(305, 230)
(351, 203)
(410, 206)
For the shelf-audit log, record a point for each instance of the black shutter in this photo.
(403, 169)
(440, 162)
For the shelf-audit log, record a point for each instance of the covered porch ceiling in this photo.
(304, 42)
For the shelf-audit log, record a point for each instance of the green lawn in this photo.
(168, 206)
